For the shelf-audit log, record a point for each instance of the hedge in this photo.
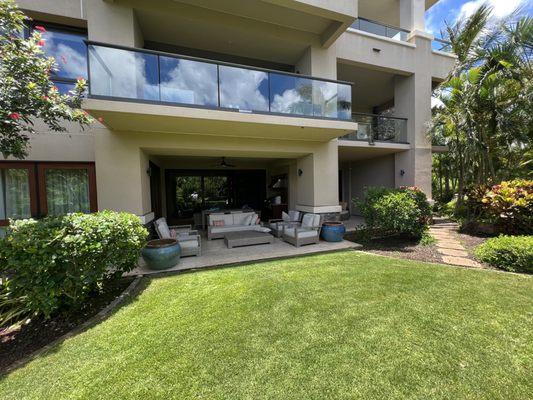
(512, 253)
(56, 263)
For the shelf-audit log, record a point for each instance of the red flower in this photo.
(40, 43)
(40, 28)
(100, 119)
(45, 97)
(14, 115)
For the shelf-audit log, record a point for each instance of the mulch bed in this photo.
(397, 247)
(20, 341)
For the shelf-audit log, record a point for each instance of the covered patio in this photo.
(215, 253)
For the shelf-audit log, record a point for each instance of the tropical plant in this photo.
(512, 253)
(26, 91)
(486, 114)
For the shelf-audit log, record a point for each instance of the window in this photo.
(29, 189)
(18, 198)
(68, 48)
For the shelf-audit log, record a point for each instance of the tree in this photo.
(486, 117)
(26, 92)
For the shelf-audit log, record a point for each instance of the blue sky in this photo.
(452, 10)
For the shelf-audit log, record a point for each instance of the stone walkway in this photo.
(449, 248)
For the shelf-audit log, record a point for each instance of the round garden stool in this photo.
(161, 254)
(333, 231)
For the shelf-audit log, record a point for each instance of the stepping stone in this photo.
(453, 252)
(450, 245)
(461, 261)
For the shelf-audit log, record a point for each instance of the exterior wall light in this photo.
(300, 172)
(402, 172)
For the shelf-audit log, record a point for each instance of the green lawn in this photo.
(338, 326)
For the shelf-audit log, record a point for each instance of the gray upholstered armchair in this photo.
(189, 239)
(290, 219)
(306, 232)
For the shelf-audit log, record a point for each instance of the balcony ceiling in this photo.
(266, 30)
(386, 11)
(371, 88)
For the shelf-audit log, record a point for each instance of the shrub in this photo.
(508, 206)
(512, 253)
(55, 263)
(403, 211)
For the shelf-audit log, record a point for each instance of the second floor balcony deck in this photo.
(119, 73)
(395, 33)
(378, 128)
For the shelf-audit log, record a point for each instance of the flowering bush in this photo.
(26, 91)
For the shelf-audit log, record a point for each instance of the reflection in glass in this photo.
(188, 196)
(123, 73)
(67, 191)
(14, 193)
(188, 82)
(243, 89)
(216, 192)
(69, 50)
(291, 95)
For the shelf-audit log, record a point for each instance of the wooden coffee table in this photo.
(247, 238)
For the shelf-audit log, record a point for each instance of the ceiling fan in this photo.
(224, 164)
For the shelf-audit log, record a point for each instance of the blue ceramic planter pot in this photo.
(161, 253)
(333, 231)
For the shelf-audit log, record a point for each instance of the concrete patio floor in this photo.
(215, 253)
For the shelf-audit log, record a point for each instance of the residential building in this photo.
(211, 103)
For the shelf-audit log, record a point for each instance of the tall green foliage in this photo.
(26, 91)
(486, 117)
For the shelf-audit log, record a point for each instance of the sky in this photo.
(452, 10)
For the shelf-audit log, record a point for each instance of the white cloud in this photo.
(500, 8)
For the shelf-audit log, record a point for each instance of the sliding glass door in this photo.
(189, 192)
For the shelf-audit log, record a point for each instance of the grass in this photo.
(338, 326)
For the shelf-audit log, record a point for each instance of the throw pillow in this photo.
(248, 220)
(285, 217)
(218, 222)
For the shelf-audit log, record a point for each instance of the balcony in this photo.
(378, 128)
(118, 73)
(380, 29)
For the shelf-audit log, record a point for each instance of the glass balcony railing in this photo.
(148, 76)
(380, 29)
(378, 128)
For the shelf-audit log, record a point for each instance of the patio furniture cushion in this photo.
(189, 244)
(302, 233)
(162, 227)
(218, 222)
(310, 221)
(248, 219)
(285, 217)
(240, 218)
(294, 215)
(262, 229)
(227, 218)
(231, 228)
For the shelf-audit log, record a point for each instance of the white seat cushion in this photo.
(189, 244)
(310, 220)
(162, 228)
(301, 233)
(263, 229)
(231, 228)
(285, 217)
(240, 218)
(294, 215)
